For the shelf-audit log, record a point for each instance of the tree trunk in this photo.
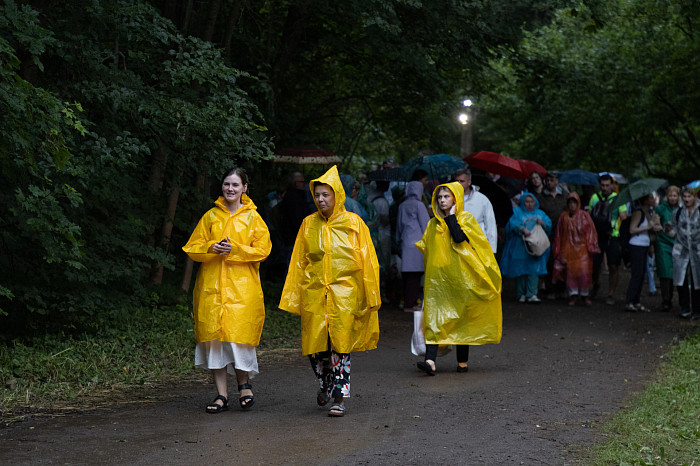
(210, 25)
(187, 17)
(202, 185)
(231, 22)
(167, 230)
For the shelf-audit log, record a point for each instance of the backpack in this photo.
(602, 216)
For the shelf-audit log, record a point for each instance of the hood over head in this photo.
(332, 179)
(457, 192)
(573, 195)
(414, 190)
(522, 200)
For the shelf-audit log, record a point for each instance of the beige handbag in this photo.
(537, 243)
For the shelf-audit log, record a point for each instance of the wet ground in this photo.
(537, 398)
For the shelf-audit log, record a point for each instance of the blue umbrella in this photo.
(578, 176)
(438, 166)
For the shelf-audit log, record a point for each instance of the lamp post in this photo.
(467, 143)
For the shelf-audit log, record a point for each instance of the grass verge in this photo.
(144, 347)
(662, 425)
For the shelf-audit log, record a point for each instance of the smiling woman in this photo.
(230, 240)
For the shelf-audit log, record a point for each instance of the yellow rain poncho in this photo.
(462, 281)
(228, 299)
(333, 279)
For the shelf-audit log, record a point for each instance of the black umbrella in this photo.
(500, 200)
(386, 174)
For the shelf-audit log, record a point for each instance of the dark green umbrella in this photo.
(637, 190)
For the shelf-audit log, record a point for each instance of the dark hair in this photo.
(537, 173)
(462, 171)
(320, 183)
(291, 184)
(605, 177)
(418, 175)
(238, 172)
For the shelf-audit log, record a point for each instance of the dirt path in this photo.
(538, 397)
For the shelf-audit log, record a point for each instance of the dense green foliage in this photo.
(93, 185)
(607, 85)
(663, 424)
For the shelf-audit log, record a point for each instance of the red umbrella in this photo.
(493, 162)
(306, 156)
(528, 166)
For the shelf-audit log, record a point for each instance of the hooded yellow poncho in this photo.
(462, 281)
(228, 299)
(333, 279)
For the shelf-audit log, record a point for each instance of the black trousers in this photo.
(685, 293)
(638, 258)
(462, 352)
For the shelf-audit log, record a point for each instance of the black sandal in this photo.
(425, 367)
(247, 401)
(215, 408)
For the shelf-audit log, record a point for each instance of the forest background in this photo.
(117, 119)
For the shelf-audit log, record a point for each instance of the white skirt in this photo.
(216, 354)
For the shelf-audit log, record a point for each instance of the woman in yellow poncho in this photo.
(230, 240)
(333, 284)
(462, 281)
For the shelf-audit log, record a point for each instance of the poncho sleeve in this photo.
(200, 241)
(259, 247)
(292, 292)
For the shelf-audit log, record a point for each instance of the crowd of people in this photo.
(342, 243)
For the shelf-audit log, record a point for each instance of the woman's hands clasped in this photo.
(223, 247)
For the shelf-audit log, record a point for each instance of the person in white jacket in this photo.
(478, 205)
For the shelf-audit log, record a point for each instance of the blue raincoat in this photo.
(516, 261)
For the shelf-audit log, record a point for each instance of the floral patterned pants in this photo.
(333, 372)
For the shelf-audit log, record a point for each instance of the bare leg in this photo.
(221, 388)
(242, 377)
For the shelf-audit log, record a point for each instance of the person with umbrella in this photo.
(607, 224)
(642, 224)
(686, 254)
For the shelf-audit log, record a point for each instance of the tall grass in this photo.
(138, 347)
(662, 425)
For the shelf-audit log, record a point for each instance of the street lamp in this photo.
(467, 140)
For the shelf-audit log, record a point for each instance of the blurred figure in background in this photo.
(478, 205)
(411, 222)
(516, 262)
(573, 247)
(664, 245)
(686, 255)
